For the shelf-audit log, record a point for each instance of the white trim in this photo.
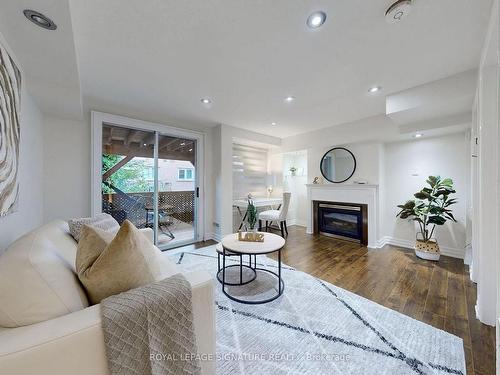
(489, 34)
(99, 118)
(298, 222)
(343, 186)
(407, 244)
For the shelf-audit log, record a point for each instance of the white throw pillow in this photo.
(102, 221)
(37, 280)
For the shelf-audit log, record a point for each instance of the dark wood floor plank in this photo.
(456, 304)
(438, 291)
(403, 289)
(415, 302)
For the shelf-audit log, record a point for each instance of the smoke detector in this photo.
(397, 11)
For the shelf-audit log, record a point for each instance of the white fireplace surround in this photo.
(347, 193)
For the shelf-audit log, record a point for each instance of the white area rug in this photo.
(317, 328)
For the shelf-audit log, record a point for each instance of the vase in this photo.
(428, 250)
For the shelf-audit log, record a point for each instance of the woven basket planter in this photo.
(428, 250)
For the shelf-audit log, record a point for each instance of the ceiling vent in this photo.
(397, 11)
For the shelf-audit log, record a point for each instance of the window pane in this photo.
(127, 174)
(176, 201)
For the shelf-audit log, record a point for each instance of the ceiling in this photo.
(47, 58)
(162, 56)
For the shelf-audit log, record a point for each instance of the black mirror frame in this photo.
(326, 153)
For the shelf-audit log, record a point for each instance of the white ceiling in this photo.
(47, 58)
(163, 56)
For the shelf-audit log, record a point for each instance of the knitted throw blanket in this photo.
(149, 330)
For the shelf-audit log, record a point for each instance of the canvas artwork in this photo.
(10, 92)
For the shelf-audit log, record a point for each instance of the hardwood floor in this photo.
(440, 294)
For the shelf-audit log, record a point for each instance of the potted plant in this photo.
(293, 170)
(251, 215)
(429, 208)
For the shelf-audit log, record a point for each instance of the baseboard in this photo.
(300, 223)
(213, 236)
(445, 250)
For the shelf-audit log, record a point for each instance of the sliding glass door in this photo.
(176, 190)
(150, 177)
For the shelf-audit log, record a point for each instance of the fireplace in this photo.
(346, 221)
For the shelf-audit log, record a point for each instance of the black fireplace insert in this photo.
(341, 221)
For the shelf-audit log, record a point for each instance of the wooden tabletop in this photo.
(272, 243)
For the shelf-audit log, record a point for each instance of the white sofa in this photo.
(37, 278)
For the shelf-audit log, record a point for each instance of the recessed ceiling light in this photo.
(145, 144)
(273, 123)
(418, 135)
(206, 101)
(289, 99)
(183, 143)
(316, 19)
(374, 89)
(39, 19)
(190, 150)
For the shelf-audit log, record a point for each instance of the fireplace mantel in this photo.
(342, 186)
(347, 193)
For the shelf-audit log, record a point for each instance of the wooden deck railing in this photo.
(132, 206)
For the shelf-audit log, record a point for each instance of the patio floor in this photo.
(182, 232)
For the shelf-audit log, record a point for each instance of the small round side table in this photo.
(272, 243)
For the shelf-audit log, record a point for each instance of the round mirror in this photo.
(338, 165)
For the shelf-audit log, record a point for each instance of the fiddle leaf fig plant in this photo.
(431, 206)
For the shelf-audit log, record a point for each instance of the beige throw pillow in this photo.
(107, 264)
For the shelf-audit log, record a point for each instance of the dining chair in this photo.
(277, 215)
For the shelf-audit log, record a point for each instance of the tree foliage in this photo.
(130, 178)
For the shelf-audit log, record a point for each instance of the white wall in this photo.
(407, 166)
(30, 209)
(168, 174)
(373, 129)
(29, 212)
(367, 161)
(296, 185)
(67, 168)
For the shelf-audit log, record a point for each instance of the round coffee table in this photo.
(271, 244)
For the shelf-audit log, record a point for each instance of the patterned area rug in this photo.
(317, 328)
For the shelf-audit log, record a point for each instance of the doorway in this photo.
(149, 174)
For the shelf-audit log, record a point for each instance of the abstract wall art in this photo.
(10, 97)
